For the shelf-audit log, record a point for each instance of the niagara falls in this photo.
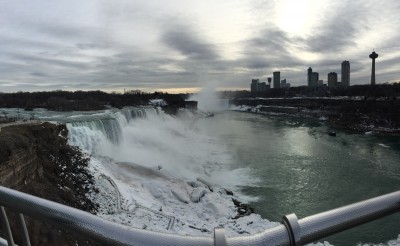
(201, 123)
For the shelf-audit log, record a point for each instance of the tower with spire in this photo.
(373, 56)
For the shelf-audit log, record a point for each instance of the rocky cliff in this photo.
(36, 159)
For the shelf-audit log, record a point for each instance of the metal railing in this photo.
(291, 232)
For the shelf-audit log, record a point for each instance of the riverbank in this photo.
(349, 114)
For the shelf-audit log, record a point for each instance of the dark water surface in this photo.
(305, 171)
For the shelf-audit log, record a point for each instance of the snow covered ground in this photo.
(154, 199)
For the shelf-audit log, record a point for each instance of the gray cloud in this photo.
(142, 45)
(185, 41)
(268, 50)
(339, 30)
(38, 74)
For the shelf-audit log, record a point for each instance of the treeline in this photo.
(389, 91)
(84, 100)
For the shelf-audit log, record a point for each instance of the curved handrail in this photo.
(292, 232)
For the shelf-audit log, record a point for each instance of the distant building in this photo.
(257, 86)
(277, 79)
(332, 79)
(262, 87)
(373, 56)
(345, 73)
(312, 78)
(320, 82)
(284, 84)
(254, 85)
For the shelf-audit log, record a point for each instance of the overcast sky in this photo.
(181, 45)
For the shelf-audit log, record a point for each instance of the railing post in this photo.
(6, 226)
(219, 236)
(291, 223)
(24, 231)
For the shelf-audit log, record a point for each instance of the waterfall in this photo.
(87, 131)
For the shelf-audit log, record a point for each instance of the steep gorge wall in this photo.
(36, 159)
(19, 165)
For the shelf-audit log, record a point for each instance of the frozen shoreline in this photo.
(150, 199)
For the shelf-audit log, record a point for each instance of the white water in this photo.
(156, 161)
(157, 140)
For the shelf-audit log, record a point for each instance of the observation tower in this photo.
(373, 56)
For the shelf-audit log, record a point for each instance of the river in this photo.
(303, 170)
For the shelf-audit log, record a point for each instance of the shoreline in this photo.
(335, 120)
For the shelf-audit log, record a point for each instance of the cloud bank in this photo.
(154, 45)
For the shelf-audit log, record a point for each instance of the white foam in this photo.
(152, 163)
(384, 145)
(394, 242)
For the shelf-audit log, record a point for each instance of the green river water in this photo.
(305, 171)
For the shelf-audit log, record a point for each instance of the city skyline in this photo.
(181, 46)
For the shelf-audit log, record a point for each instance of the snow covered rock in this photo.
(197, 194)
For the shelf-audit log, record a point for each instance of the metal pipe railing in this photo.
(90, 225)
(291, 232)
(315, 227)
(6, 226)
(24, 230)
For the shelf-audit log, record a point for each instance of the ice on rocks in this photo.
(181, 195)
(197, 194)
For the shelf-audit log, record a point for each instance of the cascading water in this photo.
(159, 162)
(150, 138)
(88, 132)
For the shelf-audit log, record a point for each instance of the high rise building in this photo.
(332, 79)
(254, 85)
(346, 73)
(262, 87)
(312, 78)
(284, 84)
(309, 72)
(257, 86)
(277, 79)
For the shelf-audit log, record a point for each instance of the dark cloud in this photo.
(387, 63)
(189, 44)
(38, 74)
(339, 30)
(269, 49)
(256, 62)
(49, 61)
(269, 41)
